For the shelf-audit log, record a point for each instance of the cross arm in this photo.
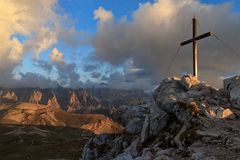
(197, 38)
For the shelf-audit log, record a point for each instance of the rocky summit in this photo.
(187, 120)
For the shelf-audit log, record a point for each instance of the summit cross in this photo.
(194, 42)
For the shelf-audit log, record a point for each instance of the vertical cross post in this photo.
(195, 52)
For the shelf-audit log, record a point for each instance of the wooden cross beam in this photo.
(194, 41)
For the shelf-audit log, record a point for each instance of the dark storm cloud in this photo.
(95, 75)
(68, 75)
(151, 38)
(35, 80)
(27, 80)
(45, 65)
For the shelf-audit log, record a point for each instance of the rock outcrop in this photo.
(89, 102)
(232, 89)
(35, 97)
(74, 103)
(188, 120)
(53, 102)
(82, 102)
(9, 96)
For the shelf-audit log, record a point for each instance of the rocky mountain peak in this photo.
(53, 102)
(84, 96)
(9, 96)
(74, 103)
(188, 120)
(35, 97)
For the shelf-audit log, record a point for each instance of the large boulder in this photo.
(124, 156)
(129, 112)
(154, 123)
(133, 148)
(134, 126)
(232, 88)
(170, 90)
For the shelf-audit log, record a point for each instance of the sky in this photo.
(119, 44)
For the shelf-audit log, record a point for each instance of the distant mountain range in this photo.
(79, 100)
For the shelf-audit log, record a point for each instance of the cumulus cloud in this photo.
(103, 15)
(67, 72)
(68, 75)
(26, 26)
(31, 27)
(56, 56)
(151, 38)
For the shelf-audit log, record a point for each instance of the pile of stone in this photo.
(188, 120)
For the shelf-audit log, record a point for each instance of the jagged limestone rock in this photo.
(233, 143)
(145, 134)
(130, 112)
(202, 156)
(35, 97)
(74, 103)
(134, 126)
(189, 81)
(232, 88)
(157, 121)
(192, 118)
(225, 113)
(133, 148)
(124, 156)
(53, 102)
(9, 96)
(147, 155)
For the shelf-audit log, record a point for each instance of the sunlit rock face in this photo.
(83, 102)
(104, 126)
(51, 114)
(53, 102)
(9, 96)
(189, 81)
(35, 97)
(74, 103)
(94, 100)
(188, 120)
(37, 114)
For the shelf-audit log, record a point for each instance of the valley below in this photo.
(57, 123)
(41, 142)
